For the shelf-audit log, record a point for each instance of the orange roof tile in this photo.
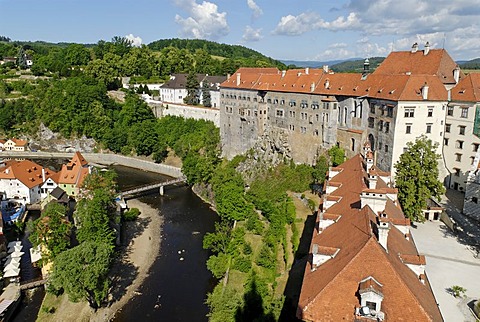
(27, 172)
(467, 89)
(72, 172)
(413, 259)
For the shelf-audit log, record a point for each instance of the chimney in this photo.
(43, 174)
(372, 180)
(283, 73)
(383, 228)
(456, 74)
(427, 49)
(238, 79)
(307, 70)
(366, 65)
(414, 48)
(327, 83)
(425, 91)
(312, 87)
(325, 68)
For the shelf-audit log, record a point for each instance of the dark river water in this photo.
(175, 289)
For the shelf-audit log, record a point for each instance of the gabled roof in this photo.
(27, 172)
(18, 142)
(436, 63)
(74, 171)
(330, 291)
(467, 89)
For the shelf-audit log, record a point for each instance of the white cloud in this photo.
(136, 41)
(296, 25)
(205, 21)
(257, 11)
(251, 34)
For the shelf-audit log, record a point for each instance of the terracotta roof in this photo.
(27, 172)
(370, 284)
(436, 63)
(73, 172)
(413, 259)
(467, 89)
(329, 251)
(19, 142)
(330, 292)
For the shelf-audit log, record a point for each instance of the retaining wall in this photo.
(101, 158)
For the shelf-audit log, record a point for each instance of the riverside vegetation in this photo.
(256, 241)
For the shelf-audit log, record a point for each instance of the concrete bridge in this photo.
(32, 284)
(161, 186)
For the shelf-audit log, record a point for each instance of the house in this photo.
(8, 60)
(21, 180)
(28, 60)
(49, 185)
(175, 90)
(15, 145)
(363, 264)
(2, 144)
(72, 174)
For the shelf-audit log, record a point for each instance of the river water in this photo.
(175, 289)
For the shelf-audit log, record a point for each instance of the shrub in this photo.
(131, 215)
(242, 264)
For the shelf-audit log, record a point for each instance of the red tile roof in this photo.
(27, 172)
(330, 292)
(467, 89)
(74, 171)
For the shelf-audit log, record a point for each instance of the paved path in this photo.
(451, 260)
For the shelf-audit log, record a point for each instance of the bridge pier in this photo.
(162, 190)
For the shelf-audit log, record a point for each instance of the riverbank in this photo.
(142, 238)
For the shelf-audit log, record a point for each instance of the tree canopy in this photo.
(416, 177)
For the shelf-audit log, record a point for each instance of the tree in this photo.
(337, 155)
(416, 177)
(22, 58)
(320, 170)
(207, 98)
(51, 230)
(192, 89)
(82, 272)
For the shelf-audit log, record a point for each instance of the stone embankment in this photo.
(101, 158)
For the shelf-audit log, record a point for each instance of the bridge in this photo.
(161, 186)
(32, 284)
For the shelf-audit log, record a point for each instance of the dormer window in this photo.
(371, 297)
(321, 254)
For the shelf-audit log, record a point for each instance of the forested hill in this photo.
(471, 64)
(356, 66)
(214, 48)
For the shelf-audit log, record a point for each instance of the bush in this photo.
(131, 215)
(247, 249)
(218, 265)
(242, 264)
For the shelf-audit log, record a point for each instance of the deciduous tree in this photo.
(416, 177)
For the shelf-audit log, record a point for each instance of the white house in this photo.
(22, 180)
(15, 145)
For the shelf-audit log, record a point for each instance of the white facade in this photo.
(47, 187)
(173, 95)
(15, 189)
(11, 145)
(460, 144)
(415, 119)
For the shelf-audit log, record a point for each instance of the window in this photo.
(475, 199)
(409, 112)
(275, 101)
(459, 145)
(458, 157)
(387, 127)
(447, 127)
(464, 113)
(429, 128)
(303, 129)
(430, 112)
(291, 127)
(279, 113)
(282, 102)
(269, 101)
(371, 122)
(386, 148)
(380, 125)
(372, 305)
(456, 172)
(445, 141)
(408, 129)
(472, 160)
(390, 111)
(450, 111)
(475, 147)
(353, 144)
(372, 108)
(461, 130)
(293, 103)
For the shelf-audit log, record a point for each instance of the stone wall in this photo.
(104, 159)
(186, 111)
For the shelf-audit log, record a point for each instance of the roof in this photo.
(74, 171)
(58, 193)
(436, 63)
(330, 291)
(27, 172)
(398, 87)
(467, 89)
(19, 142)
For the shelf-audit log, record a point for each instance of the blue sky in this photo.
(283, 29)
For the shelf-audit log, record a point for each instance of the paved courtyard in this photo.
(450, 261)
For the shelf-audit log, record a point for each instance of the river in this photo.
(175, 289)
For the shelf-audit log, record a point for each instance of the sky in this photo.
(319, 30)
